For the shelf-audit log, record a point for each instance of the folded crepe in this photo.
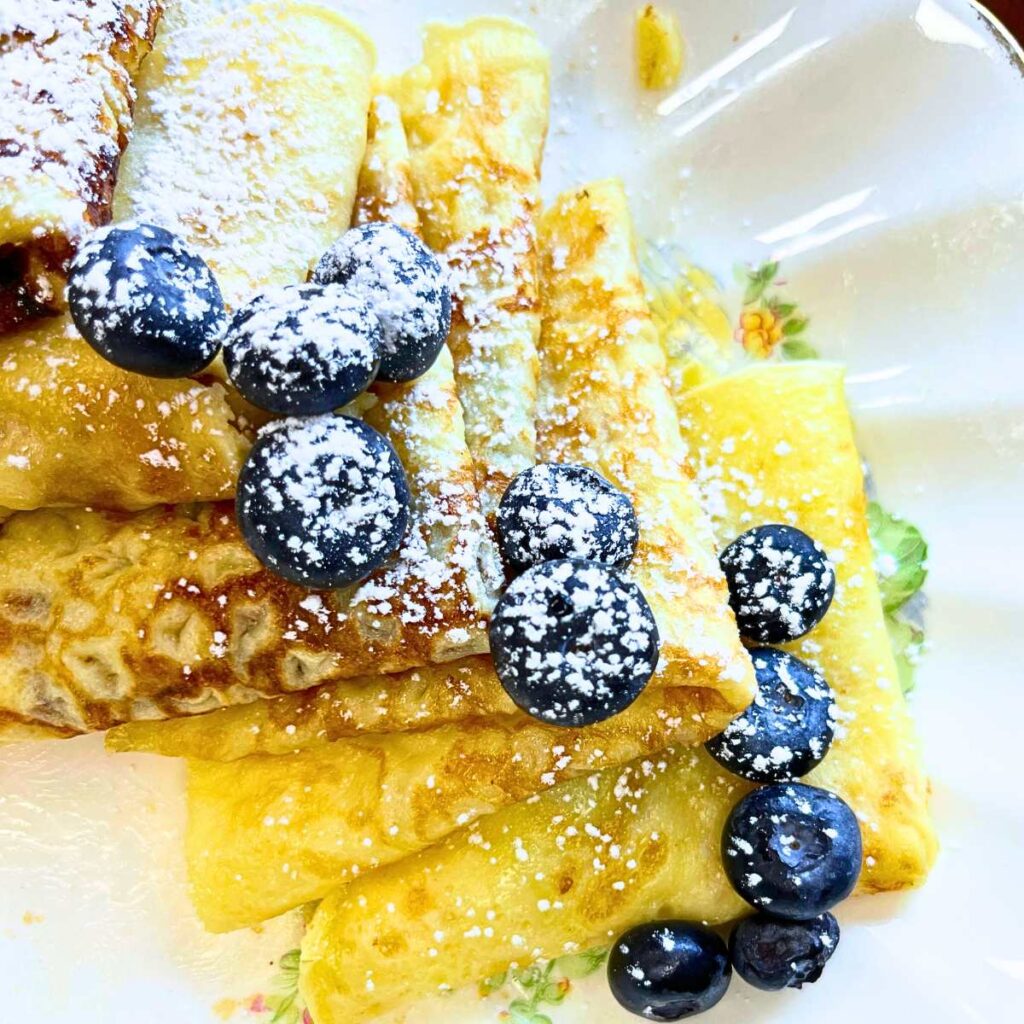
(192, 622)
(476, 114)
(591, 857)
(385, 191)
(67, 73)
(251, 128)
(77, 430)
(604, 401)
(249, 136)
(269, 833)
(106, 617)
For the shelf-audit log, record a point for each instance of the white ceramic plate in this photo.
(877, 147)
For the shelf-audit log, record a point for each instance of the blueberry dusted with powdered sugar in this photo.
(322, 501)
(781, 583)
(787, 729)
(668, 970)
(573, 642)
(303, 349)
(792, 850)
(405, 286)
(146, 301)
(557, 510)
(772, 954)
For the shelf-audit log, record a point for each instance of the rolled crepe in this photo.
(67, 73)
(604, 402)
(590, 858)
(476, 114)
(385, 191)
(249, 135)
(414, 700)
(338, 809)
(77, 430)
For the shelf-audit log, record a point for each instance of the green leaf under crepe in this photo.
(544, 983)
(797, 348)
(581, 965)
(900, 555)
(907, 640)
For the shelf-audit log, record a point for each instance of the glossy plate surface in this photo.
(876, 149)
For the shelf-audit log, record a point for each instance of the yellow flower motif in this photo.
(760, 332)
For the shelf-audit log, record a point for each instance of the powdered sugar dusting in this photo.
(298, 342)
(67, 71)
(254, 164)
(335, 491)
(66, 67)
(573, 642)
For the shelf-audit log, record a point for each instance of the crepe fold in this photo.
(476, 114)
(604, 402)
(268, 833)
(67, 72)
(77, 430)
(590, 858)
(250, 132)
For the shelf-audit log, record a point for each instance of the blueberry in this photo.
(781, 583)
(303, 349)
(322, 501)
(146, 301)
(772, 954)
(792, 850)
(573, 642)
(788, 728)
(668, 970)
(403, 282)
(562, 511)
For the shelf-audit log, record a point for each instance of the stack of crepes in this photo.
(446, 833)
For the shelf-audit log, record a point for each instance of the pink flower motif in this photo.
(306, 1019)
(258, 1005)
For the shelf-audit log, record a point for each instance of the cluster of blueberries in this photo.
(573, 640)
(322, 498)
(791, 850)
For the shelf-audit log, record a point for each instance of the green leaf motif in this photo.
(797, 348)
(286, 1011)
(285, 1003)
(758, 280)
(544, 984)
(581, 965)
(900, 555)
(794, 326)
(493, 983)
(907, 640)
(290, 961)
